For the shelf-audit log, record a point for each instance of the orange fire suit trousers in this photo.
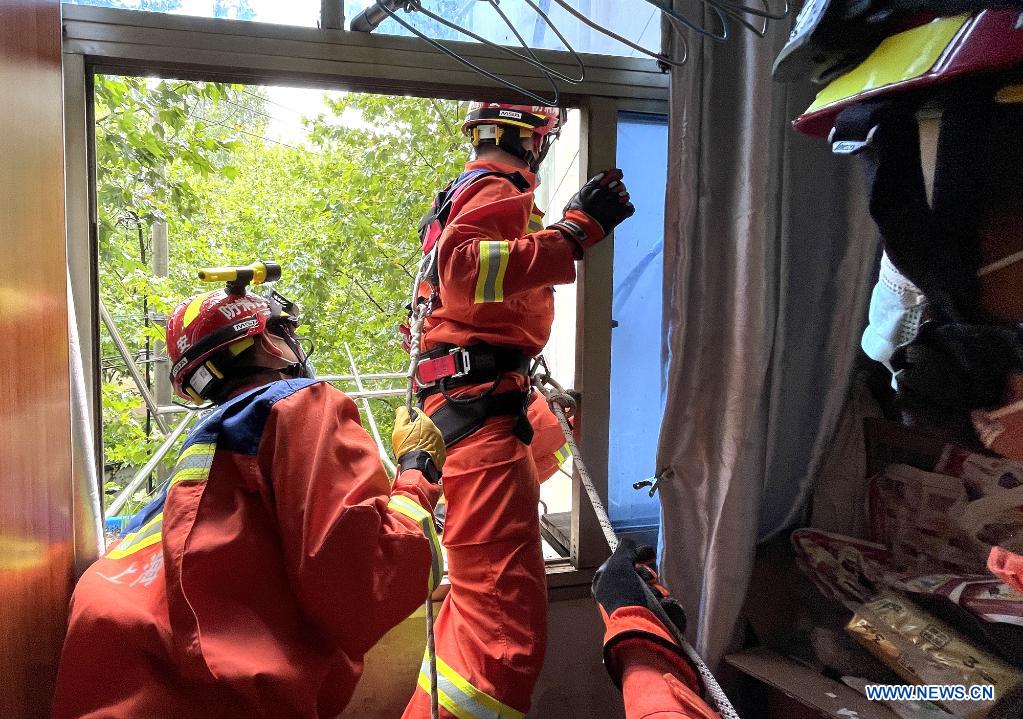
(492, 627)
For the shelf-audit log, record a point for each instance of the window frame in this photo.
(130, 42)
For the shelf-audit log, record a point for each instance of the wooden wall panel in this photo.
(35, 447)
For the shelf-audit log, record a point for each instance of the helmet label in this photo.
(510, 113)
(201, 380)
(247, 324)
(179, 366)
(239, 307)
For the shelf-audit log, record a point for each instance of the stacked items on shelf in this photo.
(923, 599)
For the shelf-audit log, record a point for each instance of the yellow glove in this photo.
(418, 433)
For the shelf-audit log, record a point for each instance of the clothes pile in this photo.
(929, 97)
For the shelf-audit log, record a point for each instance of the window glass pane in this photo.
(637, 20)
(637, 340)
(294, 12)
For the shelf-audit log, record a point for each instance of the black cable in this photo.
(530, 59)
(661, 58)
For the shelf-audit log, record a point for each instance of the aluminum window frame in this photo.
(130, 42)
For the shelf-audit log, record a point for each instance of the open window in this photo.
(242, 140)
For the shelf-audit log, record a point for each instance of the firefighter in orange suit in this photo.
(640, 650)
(488, 270)
(276, 556)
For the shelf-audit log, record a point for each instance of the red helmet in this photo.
(542, 121)
(488, 122)
(917, 61)
(204, 333)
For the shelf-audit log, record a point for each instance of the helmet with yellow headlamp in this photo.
(218, 339)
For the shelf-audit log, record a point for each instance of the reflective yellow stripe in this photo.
(535, 222)
(199, 448)
(194, 463)
(461, 698)
(146, 536)
(190, 475)
(563, 454)
(403, 505)
(493, 265)
(900, 57)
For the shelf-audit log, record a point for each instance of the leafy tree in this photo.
(154, 141)
(339, 212)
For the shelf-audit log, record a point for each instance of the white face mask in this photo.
(896, 311)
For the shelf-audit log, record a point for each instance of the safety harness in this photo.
(961, 358)
(446, 367)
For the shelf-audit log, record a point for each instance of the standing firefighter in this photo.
(488, 274)
(277, 555)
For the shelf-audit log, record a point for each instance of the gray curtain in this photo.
(88, 510)
(769, 262)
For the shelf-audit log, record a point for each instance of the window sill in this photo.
(564, 582)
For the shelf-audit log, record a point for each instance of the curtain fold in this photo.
(88, 508)
(769, 255)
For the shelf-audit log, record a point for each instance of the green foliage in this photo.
(339, 212)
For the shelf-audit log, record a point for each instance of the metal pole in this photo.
(161, 382)
(132, 369)
(369, 19)
(332, 14)
(370, 419)
(129, 489)
(363, 377)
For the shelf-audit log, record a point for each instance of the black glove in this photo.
(592, 214)
(629, 579)
(604, 198)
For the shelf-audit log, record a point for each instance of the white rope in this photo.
(420, 311)
(560, 400)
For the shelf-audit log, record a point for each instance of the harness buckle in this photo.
(463, 353)
(851, 147)
(456, 363)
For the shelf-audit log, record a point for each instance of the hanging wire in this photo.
(725, 10)
(556, 100)
(530, 58)
(684, 22)
(660, 57)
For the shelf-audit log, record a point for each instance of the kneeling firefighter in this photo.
(486, 293)
(277, 554)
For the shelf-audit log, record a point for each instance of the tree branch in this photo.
(443, 118)
(366, 292)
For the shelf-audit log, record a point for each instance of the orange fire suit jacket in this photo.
(497, 291)
(656, 682)
(278, 556)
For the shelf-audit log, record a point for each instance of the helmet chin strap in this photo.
(511, 142)
(300, 369)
